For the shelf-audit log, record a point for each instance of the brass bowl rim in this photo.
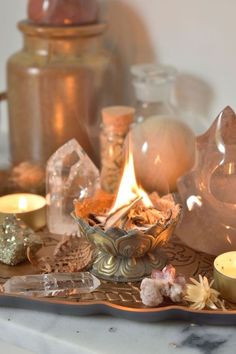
(128, 233)
(128, 237)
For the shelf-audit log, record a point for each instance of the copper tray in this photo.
(122, 300)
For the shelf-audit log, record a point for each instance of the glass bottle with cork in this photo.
(116, 123)
(153, 86)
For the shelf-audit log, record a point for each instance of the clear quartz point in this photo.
(71, 175)
(53, 284)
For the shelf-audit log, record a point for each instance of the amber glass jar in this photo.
(62, 12)
(57, 85)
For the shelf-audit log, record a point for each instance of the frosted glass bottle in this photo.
(164, 146)
(153, 86)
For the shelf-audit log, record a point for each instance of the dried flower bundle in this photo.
(100, 203)
(95, 211)
(201, 295)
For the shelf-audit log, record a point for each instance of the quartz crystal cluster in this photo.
(71, 175)
(15, 238)
(162, 284)
(53, 284)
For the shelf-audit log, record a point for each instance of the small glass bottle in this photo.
(116, 122)
(153, 86)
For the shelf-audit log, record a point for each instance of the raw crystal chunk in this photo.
(70, 175)
(15, 238)
(52, 284)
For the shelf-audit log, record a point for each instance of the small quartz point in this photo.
(71, 175)
(52, 284)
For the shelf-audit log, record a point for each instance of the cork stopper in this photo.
(119, 117)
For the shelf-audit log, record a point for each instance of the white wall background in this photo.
(196, 36)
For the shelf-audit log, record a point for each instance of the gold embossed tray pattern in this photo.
(122, 299)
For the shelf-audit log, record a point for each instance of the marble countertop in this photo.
(26, 331)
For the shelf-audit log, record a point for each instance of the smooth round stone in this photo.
(63, 12)
(164, 150)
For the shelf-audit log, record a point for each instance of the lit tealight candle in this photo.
(30, 208)
(225, 275)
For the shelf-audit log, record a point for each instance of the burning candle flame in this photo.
(22, 204)
(128, 189)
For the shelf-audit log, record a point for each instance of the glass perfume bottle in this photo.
(164, 146)
(116, 123)
(153, 86)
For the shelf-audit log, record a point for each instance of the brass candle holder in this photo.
(127, 229)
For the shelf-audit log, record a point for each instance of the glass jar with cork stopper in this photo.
(116, 123)
(153, 86)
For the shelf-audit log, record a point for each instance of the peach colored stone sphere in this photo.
(164, 150)
(62, 12)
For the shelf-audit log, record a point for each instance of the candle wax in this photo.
(21, 203)
(229, 271)
(30, 208)
(226, 264)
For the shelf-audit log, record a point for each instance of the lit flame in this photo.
(129, 189)
(22, 203)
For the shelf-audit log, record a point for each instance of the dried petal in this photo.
(200, 294)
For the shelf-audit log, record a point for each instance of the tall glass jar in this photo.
(57, 85)
(153, 86)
